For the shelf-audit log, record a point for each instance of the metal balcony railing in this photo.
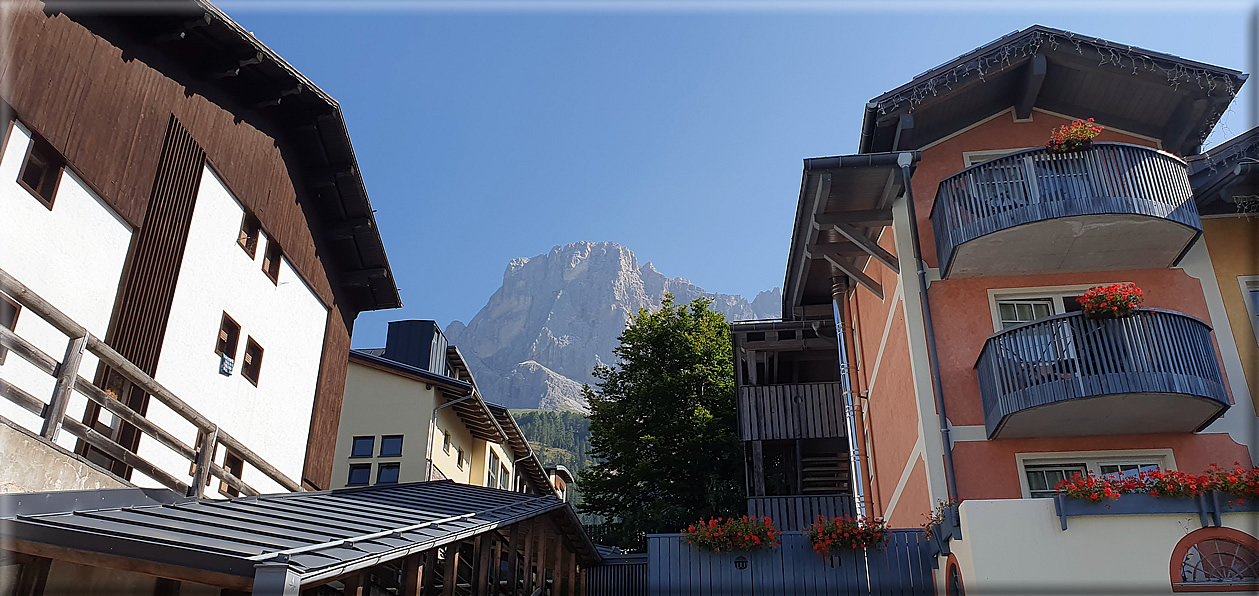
(1036, 185)
(66, 373)
(1068, 357)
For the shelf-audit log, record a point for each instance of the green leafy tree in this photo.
(662, 424)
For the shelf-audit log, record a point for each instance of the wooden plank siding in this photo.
(797, 513)
(791, 411)
(107, 115)
(901, 567)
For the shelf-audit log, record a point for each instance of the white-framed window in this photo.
(971, 158)
(446, 441)
(1250, 293)
(1014, 306)
(460, 459)
(1039, 472)
(491, 479)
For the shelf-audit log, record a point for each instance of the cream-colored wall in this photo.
(1016, 545)
(459, 437)
(1233, 243)
(381, 403)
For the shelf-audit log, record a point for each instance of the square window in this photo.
(446, 441)
(41, 171)
(459, 461)
(360, 475)
(252, 365)
(362, 446)
(229, 336)
(391, 446)
(248, 237)
(8, 318)
(387, 474)
(234, 465)
(271, 260)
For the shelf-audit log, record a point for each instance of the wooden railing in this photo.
(68, 380)
(796, 513)
(1036, 185)
(1067, 357)
(791, 411)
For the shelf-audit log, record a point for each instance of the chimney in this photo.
(418, 343)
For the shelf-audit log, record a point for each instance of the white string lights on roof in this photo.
(1005, 55)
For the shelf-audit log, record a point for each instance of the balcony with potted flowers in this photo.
(1112, 368)
(1073, 205)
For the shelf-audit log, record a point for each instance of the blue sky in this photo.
(484, 134)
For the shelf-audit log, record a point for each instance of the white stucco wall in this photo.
(286, 319)
(1017, 545)
(72, 256)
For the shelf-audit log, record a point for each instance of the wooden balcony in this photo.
(1112, 207)
(796, 513)
(791, 411)
(1153, 372)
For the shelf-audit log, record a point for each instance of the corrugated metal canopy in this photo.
(320, 535)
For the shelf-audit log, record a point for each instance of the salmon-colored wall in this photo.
(988, 469)
(1002, 132)
(892, 409)
(963, 321)
(915, 502)
(1233, 243)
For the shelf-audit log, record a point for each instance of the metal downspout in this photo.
(933, 358)
(838, 287)
(432, 429)
(858, 414)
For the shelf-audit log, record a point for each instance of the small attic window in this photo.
(271, 260)
(41, 171)
(248, 237)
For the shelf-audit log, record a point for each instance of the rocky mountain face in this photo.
(559, 314)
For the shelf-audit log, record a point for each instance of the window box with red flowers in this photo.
(1111, 302)
(1076, 136)
(1218, 490)
(827, 535)
(943, 525)
(731, 535)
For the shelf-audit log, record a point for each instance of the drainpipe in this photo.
(855, 462)
(853, 388)
(432, 429)
(904, 161)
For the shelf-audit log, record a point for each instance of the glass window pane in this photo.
(388, 474)
(362, 446)
(391, 446)
(1040, 310)
(1053, 477)
(1036, 481)
(360, 475)
(1025, 312)
(1007, 311)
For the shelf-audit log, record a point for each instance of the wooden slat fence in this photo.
(902, 567)
(791, 411)
(66, 372)
(797, 513)
(624, 575)
(1036, 185)
(1067, 357)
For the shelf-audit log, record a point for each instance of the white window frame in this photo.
(971, 158)
(1250, 283)
(1058, 294)
(1092, 460)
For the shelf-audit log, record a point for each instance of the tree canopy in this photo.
(662, 423)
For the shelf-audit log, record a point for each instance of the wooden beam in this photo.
(450, 575)
(1030, 90)
(847, 249)
(481, 571)
(872, 217)
(345, 230)
(67, 372)
(572, 574)
(904, 132)
(362, 277)
(121, 563)
(531, 536)
(857, 274)
(430, 573)
(356, 584)
(413, 572)
(513, 553)
(868, 245)
(820, 198)
(783, 345)
(32, 577)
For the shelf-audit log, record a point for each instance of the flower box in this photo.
(1130, 504)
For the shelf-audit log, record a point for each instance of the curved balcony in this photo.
(1112, 207)
(1062, 376)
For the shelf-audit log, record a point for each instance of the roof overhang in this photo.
(196, 44)
(319, 536)
(1225, 180)
(527, 459)
(844, 204)
(1061, 72)
(453, 387)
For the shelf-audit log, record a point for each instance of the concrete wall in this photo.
(72, 256)
(29, 464)
(1018, 546)
(284, 318)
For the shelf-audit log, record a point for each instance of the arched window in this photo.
(953, 579)
(1215, 560)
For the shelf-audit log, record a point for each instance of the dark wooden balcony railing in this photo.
(1066, 375)
(796, 513)
(68, 380)
(791, 411)
(1036, 185)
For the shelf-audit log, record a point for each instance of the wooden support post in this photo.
(751, 367)
(413, 572)
(481, 567)
(513, 554)
(356, 584)
(32, 576)
(496, 565)
(430, 573)
(67, 372)
(450, 578)
(205, 457)
(543, 543)
(758, 469)
(572, 574)
(531, 536)
(558, 562)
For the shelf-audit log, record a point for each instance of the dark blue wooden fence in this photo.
(902, 567)
(624, 575)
